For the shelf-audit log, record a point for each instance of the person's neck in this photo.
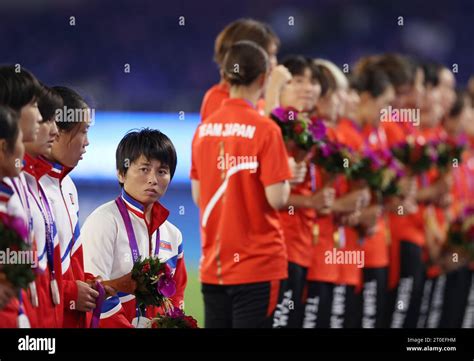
(32, 154)
(244, 93)
(452, 133)
(361, 119)
(50, 158)
(355, 119)
(148, 210)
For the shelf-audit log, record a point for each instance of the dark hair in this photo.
(48, 102)
(17, 89)
(371, 79)
(9, 127)
(244, 62)
(461, 101)
(431, 71)
(399, 69)
(296, 64)
(325, 78)
(243, 29)
(365, 61)
(151, 143)
(71, 100)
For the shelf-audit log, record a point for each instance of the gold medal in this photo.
(335, 236)
(315, 233)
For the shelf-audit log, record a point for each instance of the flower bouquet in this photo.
(150, 281)
(448, 152)
(174, 318)
(13, 236)
(379, 169)
(459, 241)
(332, 157)
(416, 155)
(154, 281)
(299, 131)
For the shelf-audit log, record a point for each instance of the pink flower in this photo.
(176, 312)
(283, 114)
(16, 224)
(166, 285)
(317, 129)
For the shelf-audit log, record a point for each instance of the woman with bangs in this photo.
(20, 91)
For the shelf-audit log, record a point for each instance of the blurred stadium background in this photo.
(171, 67)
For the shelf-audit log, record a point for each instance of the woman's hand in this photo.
(279, 76)
(109, 291)
(86, 297)
(323, 200)
(298, 170)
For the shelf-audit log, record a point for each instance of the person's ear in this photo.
(262, 79)
(3, 149)
(121, 177)
(3, 145)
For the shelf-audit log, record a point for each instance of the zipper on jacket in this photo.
(69, 217)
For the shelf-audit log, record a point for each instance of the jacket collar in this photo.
(159, 214)
(37, 167)
(6, 192)
(58, 170)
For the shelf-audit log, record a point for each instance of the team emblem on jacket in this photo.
(165, 245)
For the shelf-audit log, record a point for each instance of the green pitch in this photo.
(194, 305)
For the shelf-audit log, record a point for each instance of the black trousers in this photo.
(468, 318)
(458, 285)
(290, 312)
(373, 298)
(345, 307)
(318, 306)
(426, 301)
(241, 306)
(437, 303)
(405, 300)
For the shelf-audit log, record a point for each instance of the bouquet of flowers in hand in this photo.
(448, 152)
(332, 157)
(13, 236)
(458, 250)
(298, 128)
(416, 155)
(379, 169)
(460, 236)
(154, 282)
(174, 318)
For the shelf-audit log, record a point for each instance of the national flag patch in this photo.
(165, 245)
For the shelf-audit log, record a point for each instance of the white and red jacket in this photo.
(9, 314)
(49, 314)
(62, 195)
(107, 253)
